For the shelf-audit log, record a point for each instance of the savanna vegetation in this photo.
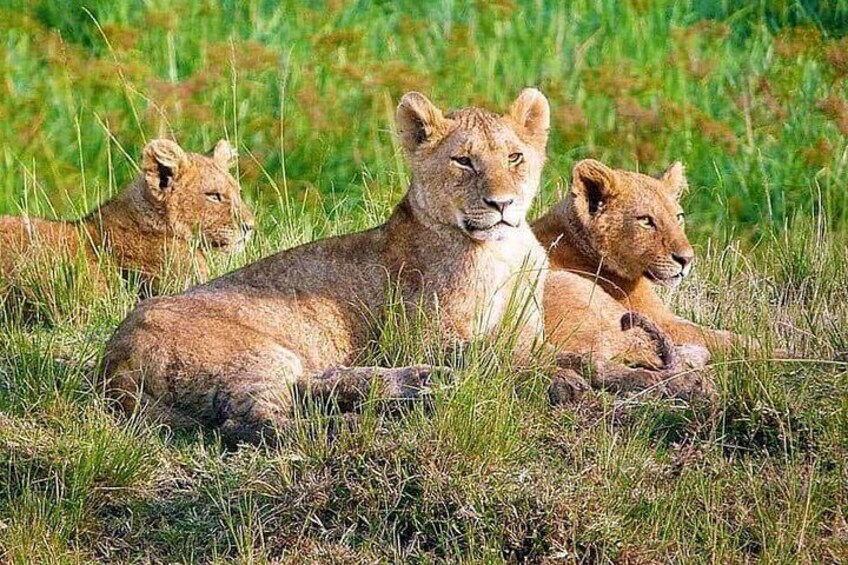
(751, 96)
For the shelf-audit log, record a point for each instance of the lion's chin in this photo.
(237, 247)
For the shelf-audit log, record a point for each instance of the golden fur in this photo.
(581, 318)
(614, 236)
(148, 228)
(228, 354)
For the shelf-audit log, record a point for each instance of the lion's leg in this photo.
(256, 407)
(250, 397)
(244, 393)
(680, 374)
(350, 386)
(259, 405)
(686, 384)
(724, 341)
(614, 377)
(645, 300)
(682, 331)
(567, 385)
(155, 411)
(608, 375)
(674, 357)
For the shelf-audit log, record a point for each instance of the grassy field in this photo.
(752, 96)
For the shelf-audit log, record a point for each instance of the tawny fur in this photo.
(149, 228)
(229, 353)
(581, 317)
(615, 235)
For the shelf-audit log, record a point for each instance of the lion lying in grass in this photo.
(230, 353)
(615, 235)
(148, 229)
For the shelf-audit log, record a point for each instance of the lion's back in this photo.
(32, 240)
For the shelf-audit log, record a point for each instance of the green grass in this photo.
(750, 96)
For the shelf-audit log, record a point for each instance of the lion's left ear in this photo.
(225, 154)
(532, 112)
(674, 178)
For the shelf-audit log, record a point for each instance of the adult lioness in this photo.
(227, 353)
(620, 232)
(147, 229)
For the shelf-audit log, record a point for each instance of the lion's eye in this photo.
(681, 218)
(215, 196)
(464, 162)
(516, 159)
(646, 222)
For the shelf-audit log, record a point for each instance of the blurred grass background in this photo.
(752, 96)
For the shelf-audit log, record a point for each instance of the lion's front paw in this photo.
(683, 383)
(693, 356)
(409, 383)
(566, 386)
(690, 384)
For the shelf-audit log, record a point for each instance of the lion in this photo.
(609, 240)
(613, 237)
(232, 354)
(149, 228)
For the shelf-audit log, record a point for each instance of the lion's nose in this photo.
(683, 259)
(499, 204)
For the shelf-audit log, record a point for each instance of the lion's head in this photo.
(633, 222)
(195, 194)
(472, 169)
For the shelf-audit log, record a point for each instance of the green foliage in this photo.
(751, 97)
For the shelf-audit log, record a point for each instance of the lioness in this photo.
(615, 235)
(147, 229)
(226, 354)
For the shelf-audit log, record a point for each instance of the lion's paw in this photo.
(409, 383)
(567, 386)
(693, 356)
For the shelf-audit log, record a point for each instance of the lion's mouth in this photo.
(230, 244)
(665, 280)
(494, 231)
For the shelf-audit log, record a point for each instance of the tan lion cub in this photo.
(615, 235)
(227, 353)
(148, 227)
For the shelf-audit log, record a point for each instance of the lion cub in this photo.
(147, 229)
(227, 354)
(615, 235)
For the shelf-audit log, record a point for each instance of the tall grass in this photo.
(751, 96)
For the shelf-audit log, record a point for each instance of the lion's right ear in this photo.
(418, 120)
(674, 178)
(162, 160)
(225, 154)
(593, 184)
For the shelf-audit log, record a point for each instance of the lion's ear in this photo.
(593, 184)
(418, 120)
(162, 160)
(225, 154)
(674, 178)
(532, 112)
